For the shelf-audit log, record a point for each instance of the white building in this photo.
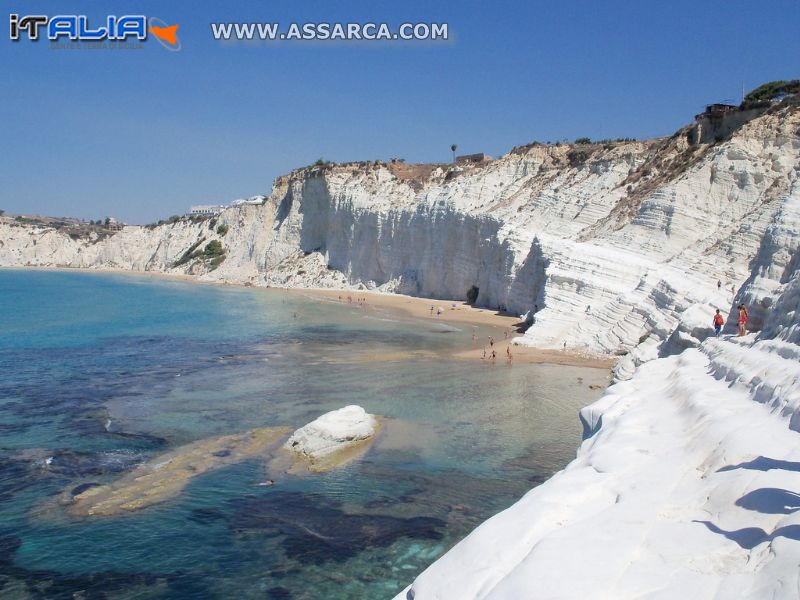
(205, 210)
(251, 200)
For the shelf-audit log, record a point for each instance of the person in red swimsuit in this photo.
(742, 319)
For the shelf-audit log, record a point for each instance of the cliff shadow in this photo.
(763, 463)
(748, 538)
(772, 501)
(526, 293)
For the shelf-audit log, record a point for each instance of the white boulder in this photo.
(333, 432)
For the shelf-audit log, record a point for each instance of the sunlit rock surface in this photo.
(330, 439)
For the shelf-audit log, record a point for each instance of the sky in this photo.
(143, 134)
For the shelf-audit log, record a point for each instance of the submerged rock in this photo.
(166, 475)
(316, 530)
(333, 438)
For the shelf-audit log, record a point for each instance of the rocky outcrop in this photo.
(619, 246)
(334, 437)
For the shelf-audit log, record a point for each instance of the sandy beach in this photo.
(502, 326)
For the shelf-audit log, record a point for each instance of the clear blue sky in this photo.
(143, 134)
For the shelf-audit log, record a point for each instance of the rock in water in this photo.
(334, 438)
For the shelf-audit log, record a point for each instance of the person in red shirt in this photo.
(718, 322)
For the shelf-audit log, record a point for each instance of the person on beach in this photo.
(742, 320)
(494, 355)
(431, 309)
(565, 345)
(491, 341)
(509, 356)
(484, 353)
(474, 337)
(719, 284)
(438, 311)
(718, 323)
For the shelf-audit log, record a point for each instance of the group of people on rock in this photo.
(719, 321)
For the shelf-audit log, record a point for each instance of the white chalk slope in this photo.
(688, 484)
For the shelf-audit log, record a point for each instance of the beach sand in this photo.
(497, 324)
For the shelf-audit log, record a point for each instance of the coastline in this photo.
(415, 307)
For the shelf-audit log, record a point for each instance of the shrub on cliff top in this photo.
(765, 93)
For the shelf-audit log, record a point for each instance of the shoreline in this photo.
(415, 307)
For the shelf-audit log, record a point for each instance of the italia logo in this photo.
(78, 28)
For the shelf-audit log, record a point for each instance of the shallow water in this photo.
(103, 372)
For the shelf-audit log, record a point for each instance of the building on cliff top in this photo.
(205, 210)
(473, 159)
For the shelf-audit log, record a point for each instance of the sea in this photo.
(100, 373)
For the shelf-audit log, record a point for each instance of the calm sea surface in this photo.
(100, 373)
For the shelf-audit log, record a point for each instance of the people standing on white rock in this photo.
(719, 284)
(742, 320)
(718, 322)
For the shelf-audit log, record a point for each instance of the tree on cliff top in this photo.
(764, 94)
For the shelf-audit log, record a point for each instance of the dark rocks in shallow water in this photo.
(52, 585)
(318, 530)
(279, 593)
(8, 545)
(14, 477)
(143, 439)
(79, 489)
(83, 464)
(206, 515)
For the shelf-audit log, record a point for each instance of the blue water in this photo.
(101, 373)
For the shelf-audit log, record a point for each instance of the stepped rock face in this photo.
(688, 482)
(620, 246)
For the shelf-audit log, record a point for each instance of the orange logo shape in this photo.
(167, 35)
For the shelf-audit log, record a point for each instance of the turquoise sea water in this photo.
(103, 372)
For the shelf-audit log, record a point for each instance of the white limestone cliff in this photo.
(687, 484)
